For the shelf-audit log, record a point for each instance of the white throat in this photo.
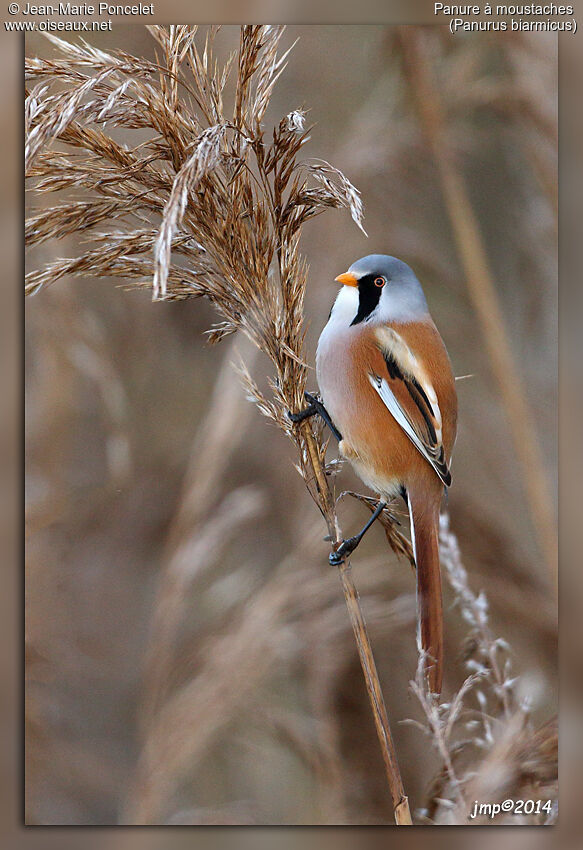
(345, 307)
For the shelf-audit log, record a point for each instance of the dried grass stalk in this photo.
(231, 202)
(489, 751)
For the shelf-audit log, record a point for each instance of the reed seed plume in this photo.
(486, 743)
(230, 200)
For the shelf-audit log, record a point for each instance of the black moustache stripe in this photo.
(368, 298)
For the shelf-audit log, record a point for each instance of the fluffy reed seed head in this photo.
(210, 205)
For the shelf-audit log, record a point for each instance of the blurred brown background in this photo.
(171, 546)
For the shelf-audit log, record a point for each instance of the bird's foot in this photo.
(347, 546)
(306, 412)
(314, 406)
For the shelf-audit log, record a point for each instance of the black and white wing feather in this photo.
(410, 398)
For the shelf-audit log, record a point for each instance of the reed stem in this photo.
(326, 503)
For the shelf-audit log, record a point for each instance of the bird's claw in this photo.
(347, 546)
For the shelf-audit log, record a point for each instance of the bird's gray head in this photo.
(382, 288)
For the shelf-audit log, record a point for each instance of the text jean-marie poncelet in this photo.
(86, 9)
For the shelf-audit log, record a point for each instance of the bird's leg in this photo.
(314, 407)
(349, 545)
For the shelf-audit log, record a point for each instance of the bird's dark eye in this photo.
(379, 281)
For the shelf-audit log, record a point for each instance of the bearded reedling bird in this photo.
(387, 386)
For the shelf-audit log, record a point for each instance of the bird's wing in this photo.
(410, 398)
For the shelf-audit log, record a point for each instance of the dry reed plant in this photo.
(489, 751)
(231, 201)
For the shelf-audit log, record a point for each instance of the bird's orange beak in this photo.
(348, 279)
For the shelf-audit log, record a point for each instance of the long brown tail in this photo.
(425, 530)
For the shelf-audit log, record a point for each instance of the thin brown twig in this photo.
(503, 756)
(327, 506)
